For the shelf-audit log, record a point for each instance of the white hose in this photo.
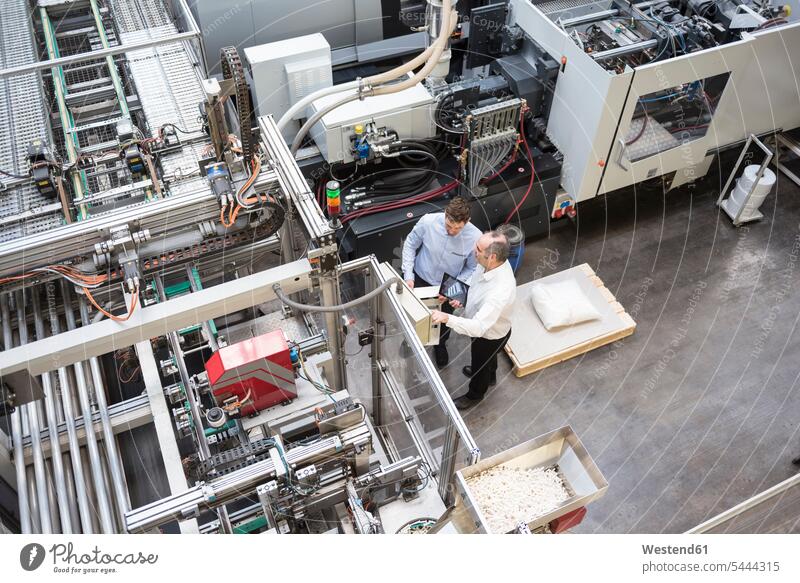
(311, 98)
(312, 121)
(375, 80)
(449, 20)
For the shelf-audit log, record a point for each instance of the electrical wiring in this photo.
(173, 126)
(392, 184)
(129, 378)
(770, 23)
(439, 115)
(322, 388)
(533, 172)
(246, 203)
(255, 169)
(442, 190)
(505, 166)
(640, 134)
(131, 308)
(14, 176)
(238, 404)
(79, 278)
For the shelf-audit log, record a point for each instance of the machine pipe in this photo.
(35, 431)
(106, 522)
(16, 431)
(52, 424)
(72, 433)
(117, 479)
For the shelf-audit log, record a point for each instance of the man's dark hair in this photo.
(499, 246)
(458, 210)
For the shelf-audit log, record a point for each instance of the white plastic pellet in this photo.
(508, 496)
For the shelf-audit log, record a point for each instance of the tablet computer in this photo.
(454, 289)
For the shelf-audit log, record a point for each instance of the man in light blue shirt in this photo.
(441, 243)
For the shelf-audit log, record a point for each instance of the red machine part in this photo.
(259, 370)
(567, 521)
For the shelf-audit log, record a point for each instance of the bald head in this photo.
(491, 249)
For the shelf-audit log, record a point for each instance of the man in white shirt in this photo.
(441, 243)
(487, 315)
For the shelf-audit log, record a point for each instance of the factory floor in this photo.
(700, 409)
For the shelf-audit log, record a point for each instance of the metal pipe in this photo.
(587, 18)
(16, 431)
(106, 522)
(34, 505)
(742, 507)
(120, 488)
(106, 474)
(69, 419)
(625, 50)
(72, 493)
(90, 491)
(35, 431)
(124, 479)
(375, 352)
(19, 466)
(52, 497)
(52, 424)
(448, 470)
(330, 295)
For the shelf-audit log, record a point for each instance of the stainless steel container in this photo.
(560, 449)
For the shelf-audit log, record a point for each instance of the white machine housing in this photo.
(592, 108)
(408, 112)
(286, 71)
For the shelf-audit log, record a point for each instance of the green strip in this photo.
(251, 526)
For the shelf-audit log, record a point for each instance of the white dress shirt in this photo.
(490, 304)
(431, 252)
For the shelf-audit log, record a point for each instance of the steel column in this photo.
(35, 431)
(52, 424)
(106, 522)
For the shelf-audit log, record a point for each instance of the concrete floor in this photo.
(699, 409)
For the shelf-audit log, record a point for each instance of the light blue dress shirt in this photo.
(431, 252)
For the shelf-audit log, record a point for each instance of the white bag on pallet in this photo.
(562, 304)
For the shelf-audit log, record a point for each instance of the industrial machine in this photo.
(198, 332)
(164, 255)
(534, 107)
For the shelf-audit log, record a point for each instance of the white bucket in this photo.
(743, 186)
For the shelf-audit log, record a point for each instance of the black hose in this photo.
(15, 176)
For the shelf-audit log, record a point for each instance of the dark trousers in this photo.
(484, 364)
(444, 331)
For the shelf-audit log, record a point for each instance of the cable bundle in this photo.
(487, 153)
(85, 281)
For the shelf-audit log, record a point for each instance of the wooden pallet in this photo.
(627, 328)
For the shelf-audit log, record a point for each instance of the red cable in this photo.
(533, 173)
(400, 204)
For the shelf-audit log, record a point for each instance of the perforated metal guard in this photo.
(23, 117)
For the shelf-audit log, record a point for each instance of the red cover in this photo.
(261, 366)
(567, 521)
